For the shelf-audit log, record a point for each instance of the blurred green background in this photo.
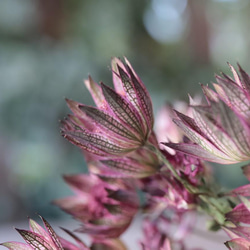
(48, 46)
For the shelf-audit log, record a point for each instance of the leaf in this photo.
(198, 152)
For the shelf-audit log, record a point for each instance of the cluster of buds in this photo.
(126, 156)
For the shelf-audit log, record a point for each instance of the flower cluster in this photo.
(161, 174)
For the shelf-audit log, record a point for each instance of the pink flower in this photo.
(39, 238)
(104, 209)
(220, 133)
(122, 121)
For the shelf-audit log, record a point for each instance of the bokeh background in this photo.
(47, 47)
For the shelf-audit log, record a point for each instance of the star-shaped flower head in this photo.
(121, 122)
(219, 131)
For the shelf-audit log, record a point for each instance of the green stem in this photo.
(214, 208)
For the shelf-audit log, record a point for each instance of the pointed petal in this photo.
(69, 245)
(243, 190)
(236, 128)
(233, 96)
(239, 214)
(16, 246)
(143, 97)
(107, 121)
(246, 171)
(36, 228)
(74, 107)
(130, 167)
(190, 128)
(215, 134)
(235, 74)
(95, 143)
(241, 231)
(131, 94)
(245, 81)
(35, 240)
(96, 92)
(210, 95)
(122, 109)
(116, 78)
(198, 151)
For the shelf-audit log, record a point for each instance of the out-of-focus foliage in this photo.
(48, 47)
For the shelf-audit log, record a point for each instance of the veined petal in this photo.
(237, 129)
(68, 245)
(115, 63)
(132, 96)
(199, 152)
(12, 245)
(130, 167)
(243, 191)
(235, 74)
(245, 81)
(108, 122)
(122, 109)
(35, 240)
(200, 139)
(143, 97)
(94, 143)
(239, 214)
(215, 134)
(96, 92)
(233, 96)
(36, 228)
(52, 234)
(210, 95)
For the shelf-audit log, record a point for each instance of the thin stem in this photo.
(214, 210)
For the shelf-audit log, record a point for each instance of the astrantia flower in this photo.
(105, 209)
(122, 120)
(39, 238)
(220, 132)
